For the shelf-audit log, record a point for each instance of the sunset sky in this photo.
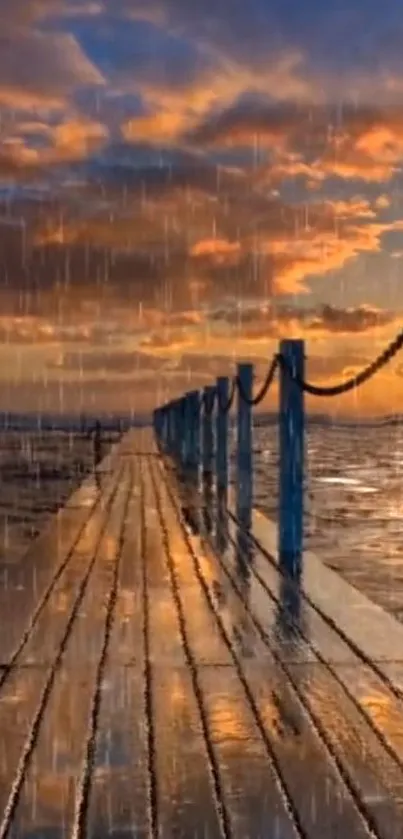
(185, 183)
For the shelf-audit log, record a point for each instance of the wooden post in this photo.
(193, 450)
(165, 426)
(186, 428)
(291, 433)
(180, 424)
(174, 425)
(169, 426)
(222, 435)
(244, 447)
(178, 430)
(157, 424)
(208, 437)
(174, 412)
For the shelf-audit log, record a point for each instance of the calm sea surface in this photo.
(353, 502)
(354, 496)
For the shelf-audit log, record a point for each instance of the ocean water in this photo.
(353, 502)
(353, 495)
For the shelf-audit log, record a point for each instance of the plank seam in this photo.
(148, 676)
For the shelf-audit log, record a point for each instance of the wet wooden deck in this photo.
(158, 678)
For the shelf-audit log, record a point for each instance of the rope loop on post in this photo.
(265, 386)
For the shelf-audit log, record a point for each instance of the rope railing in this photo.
(195, 430)
(359, 379)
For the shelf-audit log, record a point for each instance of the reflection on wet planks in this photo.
(54, 752)
(25, 585)
(45, 637)
(186, 799)
(118, 801)
(306, 776)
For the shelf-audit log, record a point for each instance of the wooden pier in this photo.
(160, 678)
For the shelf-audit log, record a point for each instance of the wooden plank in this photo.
(45, 637)
(53, 748)
(25, 586)
(126, 644)
(185, 798)
(118, 801)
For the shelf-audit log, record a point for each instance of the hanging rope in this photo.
(355, 381)
(255, 400)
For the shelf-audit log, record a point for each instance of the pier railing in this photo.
(194, 430)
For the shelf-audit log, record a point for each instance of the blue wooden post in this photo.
(222, 435)
(164, 423)
(193, 449)
(172, 411)
(208, 437)
(169, 425)
(172, 426)
(186, 428)
(184, 420)
(244, 446)
(157, 424)
(179, 429)
(291, 434)
(176, 427)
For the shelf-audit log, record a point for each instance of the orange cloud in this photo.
(292, 242)
(304, 141)
(220, 250)
(66, 141)
(174, 113)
